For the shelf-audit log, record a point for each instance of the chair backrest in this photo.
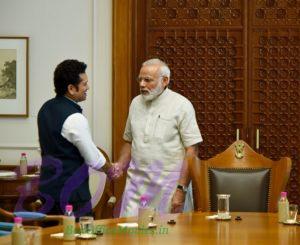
(103, 208)
(254, 181)
(104, 154)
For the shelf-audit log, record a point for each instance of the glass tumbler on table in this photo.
(223, 206)
(86, 225)
(292, 214)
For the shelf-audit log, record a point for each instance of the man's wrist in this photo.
(182, 188)
(123, 164)
(106, 167)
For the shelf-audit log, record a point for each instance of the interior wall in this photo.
(58, 30)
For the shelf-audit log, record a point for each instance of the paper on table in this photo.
(130, 225)
(4, 173)
(135, 225)
(214, 216)
(30, 175)
(60, 235)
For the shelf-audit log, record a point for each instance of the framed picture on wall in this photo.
(14, 76)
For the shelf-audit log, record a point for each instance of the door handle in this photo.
(257, 139)
(237, 134)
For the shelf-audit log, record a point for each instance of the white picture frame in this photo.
(14, 76)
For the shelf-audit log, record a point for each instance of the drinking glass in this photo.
(223, 206)
(86, 225)
(145, 217)
(33, 235)
(292, 215)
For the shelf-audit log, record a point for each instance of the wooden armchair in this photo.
(254, 181)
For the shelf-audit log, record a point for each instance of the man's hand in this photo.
(115, 171)
(177, 202)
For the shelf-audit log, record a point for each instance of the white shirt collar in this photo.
(70, 99)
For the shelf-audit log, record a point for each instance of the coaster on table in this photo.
(60, 235)
(152, 225)
(214, 216)
(87, 236)
(291, 223)
(224, 218)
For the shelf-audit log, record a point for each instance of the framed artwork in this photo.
(14, 76)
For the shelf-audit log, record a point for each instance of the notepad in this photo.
(60, 235)
(129, 225)
(134, 225)
(5, 173)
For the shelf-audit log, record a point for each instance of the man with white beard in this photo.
(161, 131)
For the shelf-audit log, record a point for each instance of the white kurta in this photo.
(159, 132)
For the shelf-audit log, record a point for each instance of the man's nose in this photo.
(142, 83)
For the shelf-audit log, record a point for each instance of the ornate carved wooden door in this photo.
(238, 62)
(274, 72)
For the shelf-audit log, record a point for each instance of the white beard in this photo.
(154, 93)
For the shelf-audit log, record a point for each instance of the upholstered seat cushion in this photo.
(6, 226)
(249, 188)
(30, 215)
(4, 233)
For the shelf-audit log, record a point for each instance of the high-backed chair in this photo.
(253, 181)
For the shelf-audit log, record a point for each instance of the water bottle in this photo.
(145, 213)
(69, 224)
(18, 233)
(283, 207)
(23, 164)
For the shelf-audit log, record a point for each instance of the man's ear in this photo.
(165, 81)
(71, 89)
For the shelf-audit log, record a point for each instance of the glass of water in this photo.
(292, 215)
(223, 206)
(86, 225)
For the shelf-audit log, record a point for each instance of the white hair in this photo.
(163, 67)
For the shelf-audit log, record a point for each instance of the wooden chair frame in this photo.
(233, 158)
(104, 209)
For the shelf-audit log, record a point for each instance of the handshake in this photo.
(115, 171)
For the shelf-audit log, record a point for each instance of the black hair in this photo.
(67, 72)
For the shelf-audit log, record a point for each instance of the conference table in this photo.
(190, 228)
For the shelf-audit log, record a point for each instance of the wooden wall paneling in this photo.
(139, 41)
(275, 79)
(203, 43)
